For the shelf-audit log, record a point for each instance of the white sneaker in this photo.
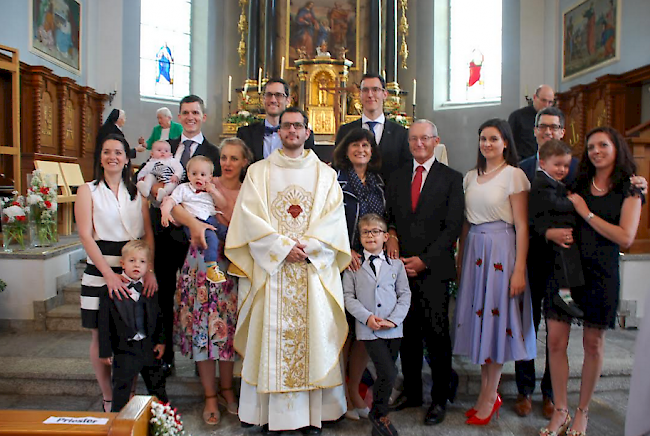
(352, 414)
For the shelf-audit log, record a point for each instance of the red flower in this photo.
(495, 312)
(509, 332)
(294, 210)
(479, 262)
(45, 190)
(15, 203)
(479, 313)
(20, 218)
(488, 361)
(48, 204)
(498, 267)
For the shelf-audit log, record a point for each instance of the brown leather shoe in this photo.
(524, 405)
(547, 407)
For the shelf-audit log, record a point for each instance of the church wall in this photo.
(14, 32)
(635, 34)
(458, 126)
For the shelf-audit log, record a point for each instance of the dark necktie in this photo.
(416, 185)
(371, 259)
(371, 126)
(187, 152)
(139, 309)
(268, 131)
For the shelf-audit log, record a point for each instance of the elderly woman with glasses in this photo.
(358, 162)
(166, 129)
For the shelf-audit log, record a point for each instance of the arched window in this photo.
(165, 30)
(475, 51)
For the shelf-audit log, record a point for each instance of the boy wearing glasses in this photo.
(379, 297)
(263, 138)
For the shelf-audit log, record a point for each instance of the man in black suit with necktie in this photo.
(170, 242)
(391, 137)
(262, 137)
(423, 229)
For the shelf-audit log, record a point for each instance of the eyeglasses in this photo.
(277, 95)
(425, 138)
(373, 232)
(374, 90)
(287, 126)
(553, 127)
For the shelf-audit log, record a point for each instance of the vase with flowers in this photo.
(41, 199)
(14, 223)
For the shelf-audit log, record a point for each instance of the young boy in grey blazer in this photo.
(378, 296)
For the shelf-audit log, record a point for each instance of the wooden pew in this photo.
(132, 420)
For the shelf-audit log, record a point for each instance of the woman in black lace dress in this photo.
(610, 209)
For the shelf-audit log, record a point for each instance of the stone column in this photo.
(252, 55)
(391, 41)
(374, 38)
(270, 66)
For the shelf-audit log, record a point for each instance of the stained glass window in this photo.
(474, 51)
(165, 28)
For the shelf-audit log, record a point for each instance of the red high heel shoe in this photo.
(471, 412)
(474, 420)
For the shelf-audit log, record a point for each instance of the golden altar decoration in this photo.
(324, 80)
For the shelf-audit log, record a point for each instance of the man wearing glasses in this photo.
(263, 138)
(391, 137)
(423, 228)
(285, 235)
(522, 121)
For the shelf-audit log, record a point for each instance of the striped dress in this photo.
(115, 222)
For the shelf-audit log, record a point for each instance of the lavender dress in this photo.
(492, 327)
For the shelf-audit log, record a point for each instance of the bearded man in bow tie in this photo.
(263, 137)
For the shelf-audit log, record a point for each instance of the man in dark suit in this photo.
(391, 137)
(263, 138)
(423, 228)
(549, 124)
(522, 121)
(170, 243)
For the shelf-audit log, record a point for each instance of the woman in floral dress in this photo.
(205, 314)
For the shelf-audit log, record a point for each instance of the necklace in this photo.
(593, 183)
(485, 173)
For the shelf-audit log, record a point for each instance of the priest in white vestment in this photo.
(288, 236)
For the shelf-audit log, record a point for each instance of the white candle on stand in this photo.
(229, 89)
(365, 65)
(383, 74)
(259, 82)
(282, 69)
(415, 84)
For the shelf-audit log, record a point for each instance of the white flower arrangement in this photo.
(14, 221)
(41, 197)
(165, 421)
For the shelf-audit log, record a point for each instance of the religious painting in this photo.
(322, 28)
(55, 32)
(590, 37)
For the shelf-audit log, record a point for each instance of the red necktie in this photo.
(416, 185)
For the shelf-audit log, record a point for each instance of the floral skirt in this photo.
(491, 326)
(205, 313)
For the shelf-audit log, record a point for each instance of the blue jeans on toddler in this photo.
(212, 238)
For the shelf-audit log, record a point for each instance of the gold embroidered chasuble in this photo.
(291, 325)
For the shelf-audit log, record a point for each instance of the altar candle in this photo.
(415, 84)
(259, 82)
(282, 69)
(229, 89)
(365, 65)
(383, 74)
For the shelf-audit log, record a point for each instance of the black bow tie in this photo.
(137, 286)
(270, 130)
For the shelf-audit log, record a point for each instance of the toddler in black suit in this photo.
(131, 335)
(550, 208)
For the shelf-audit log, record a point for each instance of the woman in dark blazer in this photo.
(358, 163)
(112, 126)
